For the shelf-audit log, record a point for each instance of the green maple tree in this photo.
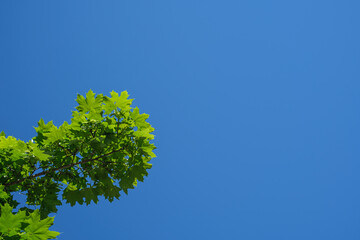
(103, 151)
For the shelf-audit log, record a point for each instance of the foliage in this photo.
(105, 149)
(22, 225)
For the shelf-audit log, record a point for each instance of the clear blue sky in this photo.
(256, 106)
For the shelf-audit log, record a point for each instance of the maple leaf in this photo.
(90, 103)
(10, 224)
(39, 229)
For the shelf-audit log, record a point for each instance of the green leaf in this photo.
(38, 153)
(72, 187)
(112, 192)
(73, 197)
(145, 133)
(56, 134)
(10, 224)
(117, 101)
(17, 149)
(42, 127)
(148, 149)
(90, 103)
(139, 119)
(90, 195)
(39, 229)
(13, 143)
(3, 195)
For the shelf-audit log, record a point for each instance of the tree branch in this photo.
(62, 167)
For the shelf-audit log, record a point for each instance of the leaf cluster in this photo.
(103, 151)
(23, 225)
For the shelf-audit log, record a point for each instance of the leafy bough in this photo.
(104, 150)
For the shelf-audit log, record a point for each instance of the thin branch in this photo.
(62, 167)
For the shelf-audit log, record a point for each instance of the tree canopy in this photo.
(103, 151)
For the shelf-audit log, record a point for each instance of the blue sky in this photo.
(255, 106)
